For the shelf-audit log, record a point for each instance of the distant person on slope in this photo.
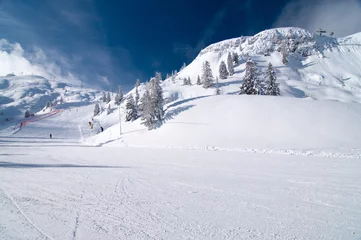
(51, 136)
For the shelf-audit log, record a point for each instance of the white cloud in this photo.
(339, 16)
(14, 59)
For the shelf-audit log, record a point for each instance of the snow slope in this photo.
(241, 122)
(142, 193)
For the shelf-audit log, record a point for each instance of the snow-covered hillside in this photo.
(21, 93)
(319, 67)
(246, 122)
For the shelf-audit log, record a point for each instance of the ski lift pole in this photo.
(120, 122)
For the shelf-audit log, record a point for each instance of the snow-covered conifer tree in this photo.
(207, 76)
(147, 109)
(223, 73)
(235, 58)
(250, 79)
(183, 66)
(96, 109)
(199, 82)
(272, 87)
(158, 76)
(119, 97)
(185, 81)
(189, 81)
(131, 110)
(156, 95)
(104, 97)
(230, 64)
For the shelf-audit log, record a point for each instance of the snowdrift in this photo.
(239, 122)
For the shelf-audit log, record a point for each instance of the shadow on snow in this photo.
(31, 165)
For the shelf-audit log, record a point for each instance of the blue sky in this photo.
(106, 43)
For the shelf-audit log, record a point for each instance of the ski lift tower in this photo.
(321, 31)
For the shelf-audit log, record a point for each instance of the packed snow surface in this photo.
(53, 192)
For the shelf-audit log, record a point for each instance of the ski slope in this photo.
(146, 193)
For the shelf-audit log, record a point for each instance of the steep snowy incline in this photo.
(240, 122)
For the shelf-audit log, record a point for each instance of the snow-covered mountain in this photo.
(319, 67)
(21, 93)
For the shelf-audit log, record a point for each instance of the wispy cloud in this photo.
(341, 17)
(63, 38)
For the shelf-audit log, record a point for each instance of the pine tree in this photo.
(119, 97)
(158, 76)
(235, 58)
(272, 87)
(131, 110)
(108, 97)
(61, 100)
(156, 95)
(148, 113)
(230, 64)
(199, 82)
(207, 76)
(167, 76)
(183, 66)
(250, 79)
(189, 81)
(185, 81)
(223, 73)
(104, 97)
(96, 109)
(109, 110)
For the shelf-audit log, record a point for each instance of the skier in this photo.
(101, 128)
(51, 136)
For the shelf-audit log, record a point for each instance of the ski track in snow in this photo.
(23, 214)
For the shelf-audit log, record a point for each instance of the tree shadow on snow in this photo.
(185, 101)
(176, 111)
(31, 165)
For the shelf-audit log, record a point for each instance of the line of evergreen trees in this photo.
(253, 84)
